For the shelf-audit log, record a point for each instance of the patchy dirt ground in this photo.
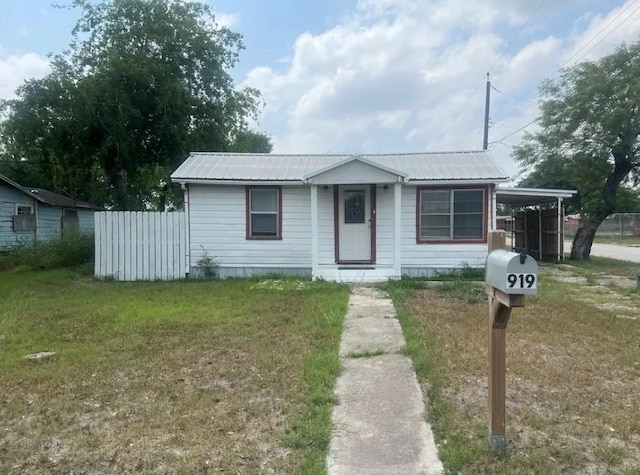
(573, 377)
(611, 293)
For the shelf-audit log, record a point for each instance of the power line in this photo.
(608, 34)
(512, 95)
(600, 32)
(504, 50)
(593, 38)
(516, 131)
(503, 125)
(457, 115)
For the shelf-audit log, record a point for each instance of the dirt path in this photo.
(604, 291)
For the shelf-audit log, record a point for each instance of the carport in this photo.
(537, 220)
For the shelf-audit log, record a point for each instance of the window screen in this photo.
(451, 215)
(263, 212)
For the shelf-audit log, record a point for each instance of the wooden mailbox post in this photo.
(508, 278)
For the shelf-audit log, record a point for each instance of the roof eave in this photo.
(239, 181)
(456, 181)
(21, 188)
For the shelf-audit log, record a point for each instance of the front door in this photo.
(354, 223)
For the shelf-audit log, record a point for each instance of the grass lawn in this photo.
(573, 376)
(183, 377)
(597, 264)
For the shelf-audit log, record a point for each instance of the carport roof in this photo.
(530, 196)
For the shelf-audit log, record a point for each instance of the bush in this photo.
(67, 251)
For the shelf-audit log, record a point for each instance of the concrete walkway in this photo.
(379, 424)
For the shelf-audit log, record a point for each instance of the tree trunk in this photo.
(120, 184)
(581, 247)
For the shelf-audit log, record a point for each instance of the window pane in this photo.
(467, 226)
(436, 201)
(264, 224)
(264, 200)
(435, 227)
(468, 201)
(436, 220)
(353, 207)
(24, 210)
(435, 233)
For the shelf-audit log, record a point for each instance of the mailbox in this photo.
(512, 273)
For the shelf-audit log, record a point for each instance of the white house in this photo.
(339, 217)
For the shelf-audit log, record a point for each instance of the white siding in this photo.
(326, 227)
(438, 256)
(354, 172)
(217, 221)
(384, 226)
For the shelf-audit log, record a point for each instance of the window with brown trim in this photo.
(451, 215)
(264, 213)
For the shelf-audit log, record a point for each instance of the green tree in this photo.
(588, 140)
(142, 83)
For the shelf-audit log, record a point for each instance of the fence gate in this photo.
(140, 245)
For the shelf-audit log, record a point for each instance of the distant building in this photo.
(34, 214)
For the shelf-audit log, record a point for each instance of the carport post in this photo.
(498, 319)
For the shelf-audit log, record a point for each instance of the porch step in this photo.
(356, 275)
(355, 267)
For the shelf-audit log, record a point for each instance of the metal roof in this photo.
(477, 165)
(49, 197)
(515, 196)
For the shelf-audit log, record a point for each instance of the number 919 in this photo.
(521, 280)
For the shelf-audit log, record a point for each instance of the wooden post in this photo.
(497, 240)
(498, 318)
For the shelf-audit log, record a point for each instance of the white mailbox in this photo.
(512, 273)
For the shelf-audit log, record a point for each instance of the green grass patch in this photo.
(157, 377)
(365, 354)
(466, 291)
(465, 273)
(606, 265)
(67, 251)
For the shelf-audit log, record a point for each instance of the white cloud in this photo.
(15, 69)
(401, 75)
(227, 20)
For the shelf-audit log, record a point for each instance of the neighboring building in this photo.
(28, 214)
(339, 217)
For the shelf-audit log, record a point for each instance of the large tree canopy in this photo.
(143, 83)
(588, 139)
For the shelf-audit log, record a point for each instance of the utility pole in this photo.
(485, 143)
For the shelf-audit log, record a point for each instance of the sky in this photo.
(376, 76)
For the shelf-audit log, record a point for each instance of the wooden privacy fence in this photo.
(140, 245)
